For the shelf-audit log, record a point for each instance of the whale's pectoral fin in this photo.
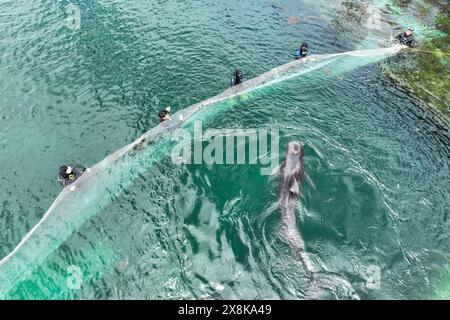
(275, 171)
(295, 188)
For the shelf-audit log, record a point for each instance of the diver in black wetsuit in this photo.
(69, 174)
(302, 51)
(238, 77)
(407, 38)
(164, 115)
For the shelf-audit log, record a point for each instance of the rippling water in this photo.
(378, 163)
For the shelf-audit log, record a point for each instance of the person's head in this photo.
(163, 115)
(65, 171)
(304, 47)
(238, 73)
(409, 31)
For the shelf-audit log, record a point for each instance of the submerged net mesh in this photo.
(107, 179)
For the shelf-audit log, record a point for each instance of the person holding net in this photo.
(407, 38)
(68, 174)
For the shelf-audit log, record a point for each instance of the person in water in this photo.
(69, 174)
(407, 38)
(302, 51)
(164, 115)
(238, 77)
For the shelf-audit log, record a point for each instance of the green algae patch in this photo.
(442, 288)
(425, 70)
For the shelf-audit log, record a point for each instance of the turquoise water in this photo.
(379, 163)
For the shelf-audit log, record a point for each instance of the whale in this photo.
(324, 284)
(292, 173)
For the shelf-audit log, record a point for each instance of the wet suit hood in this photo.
(163, 114)
(302, 51)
